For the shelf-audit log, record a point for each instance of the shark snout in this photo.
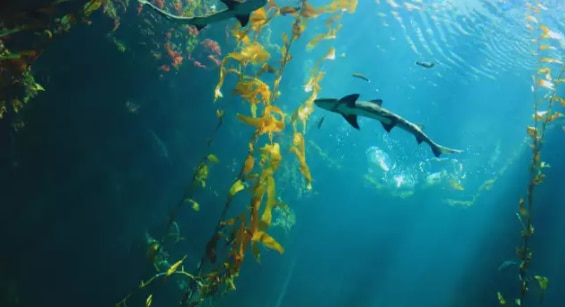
(326, 104)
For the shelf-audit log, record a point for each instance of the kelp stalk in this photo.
(537, 132)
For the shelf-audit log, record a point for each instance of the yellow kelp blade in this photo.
(268, 241)
(501, 299)
(175, 267)
(248, 164)
(195, 205)
(522, 207)
(542, 281)
(561, 100)
(212, 158)
(236, 187)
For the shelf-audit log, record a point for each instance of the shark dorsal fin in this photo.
(349, 100)
(420, 126)
(229, 3)
(388, 126)
(243, 19)
(378, 102)
(352, 120)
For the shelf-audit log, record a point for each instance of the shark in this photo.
(241, 10)
(350, 108)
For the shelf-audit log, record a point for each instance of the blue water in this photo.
(386, 223)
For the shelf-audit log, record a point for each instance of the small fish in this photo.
(426, 64)
(131, 107)
(321, 121)
(360, 76)
(289, 10)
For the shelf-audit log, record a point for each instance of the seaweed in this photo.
(251, 63)
(24, 35)
(543, 82)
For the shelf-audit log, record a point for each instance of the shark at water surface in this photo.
(238, 9)
(349, 107)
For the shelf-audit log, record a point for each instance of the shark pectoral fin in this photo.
(419, 139)
(349, 100)
(352, 120)
(229, 3)
(378, 102)
(437, 151)
(388, 127)
(200, 26)
(243, 19)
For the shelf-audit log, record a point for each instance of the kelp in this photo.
(544, 81)
(303, 112)
(234, 236)
(250, 230)
(23, 39)
(17, 83)
(261, 163)
(156, 248)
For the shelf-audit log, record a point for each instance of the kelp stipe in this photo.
(263, 159)
(250, 63)
(547, 83)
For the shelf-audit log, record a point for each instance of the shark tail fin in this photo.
(439, 150)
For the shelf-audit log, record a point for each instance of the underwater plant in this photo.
(545, 83)
(258, 75)
(278, 146)
(26, 33)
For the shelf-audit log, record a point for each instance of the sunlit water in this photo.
(480, 38)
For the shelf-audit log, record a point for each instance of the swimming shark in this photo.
(238, 9)
(349, 107)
